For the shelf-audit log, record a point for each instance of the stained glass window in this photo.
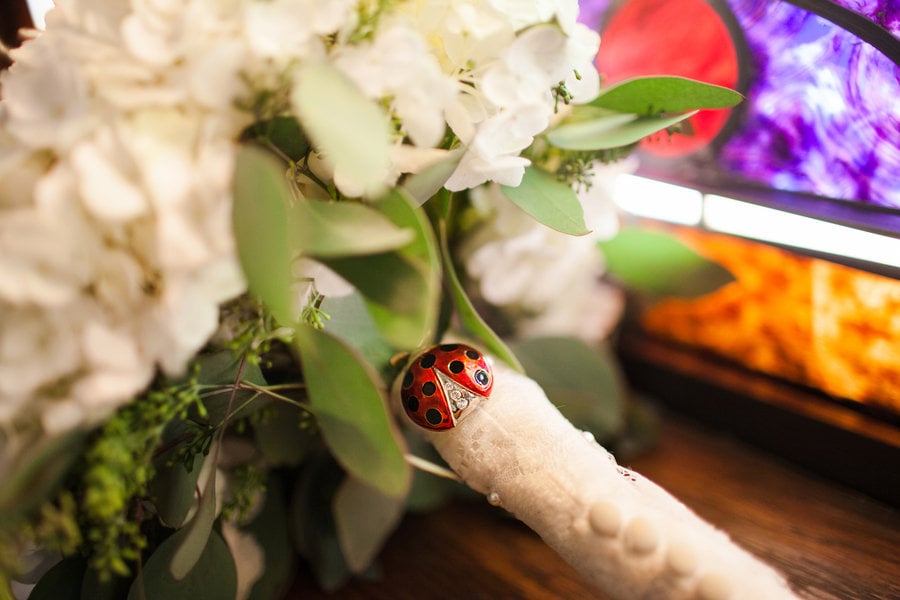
(822, 115)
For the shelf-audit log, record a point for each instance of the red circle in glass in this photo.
(671, 37)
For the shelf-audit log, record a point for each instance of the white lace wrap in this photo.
(622, 532)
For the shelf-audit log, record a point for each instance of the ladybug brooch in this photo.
(443, 383)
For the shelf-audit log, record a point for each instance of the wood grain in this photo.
(830, 542)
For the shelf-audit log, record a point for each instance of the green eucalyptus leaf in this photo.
(191, 540)
(399, 207)
(279, 437)
(351, 322)
(261, 200)
(222, 368)
(401, 288)
(172, 491)
(364, 517)
(469, 317)
(349, 403)
(395, 292)
(352, 131)
(584, 383)
(665, 94)
(548, 200)
(386, 279)
(428, 491)
(659, 264)
(580, 113)
(422, 253)
(334, 229)
(95, 586)
(312, 520)
(612, 131)
(62, 581)
(213, 575)
(242, 403)
(283, 133)
(429, 181)
(269, 529)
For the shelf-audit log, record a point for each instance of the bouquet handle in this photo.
(623, 533)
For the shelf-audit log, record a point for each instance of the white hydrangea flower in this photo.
(547, 280)
(46, 97)
(518, 80)
(118, 130)
(284, 30)
(520, 262)
(116, 247)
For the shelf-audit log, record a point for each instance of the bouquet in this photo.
(222, 226)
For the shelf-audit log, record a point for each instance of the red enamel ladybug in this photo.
(442, 382)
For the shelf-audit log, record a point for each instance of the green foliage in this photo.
(56, 527)
(173, 488)
(548, 200)
(340, 229)
(265, 100)
(423, 185)
(429, 490)
(250, 330)
(368, 15)
(285, 434)
(248, 482)
(664, 94)
(281, 134)
(606, 130)
(401, 288)
(271, 530)
(261, 201)
(351, 131)
(348, 400)
(353, 324)
(37, 477)
(363, 517)
(62, 581)
(137, 482)
(658, 264)
(212, 576)
(469, 317)
(188, 543)
(119, 467)
(312, 520)
(584, 383)
(623, 114)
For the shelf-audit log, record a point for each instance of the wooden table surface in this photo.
(829, 541)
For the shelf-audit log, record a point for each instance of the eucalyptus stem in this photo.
(268, 392)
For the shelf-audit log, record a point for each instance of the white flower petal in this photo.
(107, 192)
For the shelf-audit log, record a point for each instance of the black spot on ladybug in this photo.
(433, 416)
(428, 388)
(449, 347)
(412, 403)
(456, 366)
(481, 377)
(427, 361)
(473, 354)
(408, 379)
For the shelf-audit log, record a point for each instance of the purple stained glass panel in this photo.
(590, 12)
(823, 108)
(822, 114)
(884, 13)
